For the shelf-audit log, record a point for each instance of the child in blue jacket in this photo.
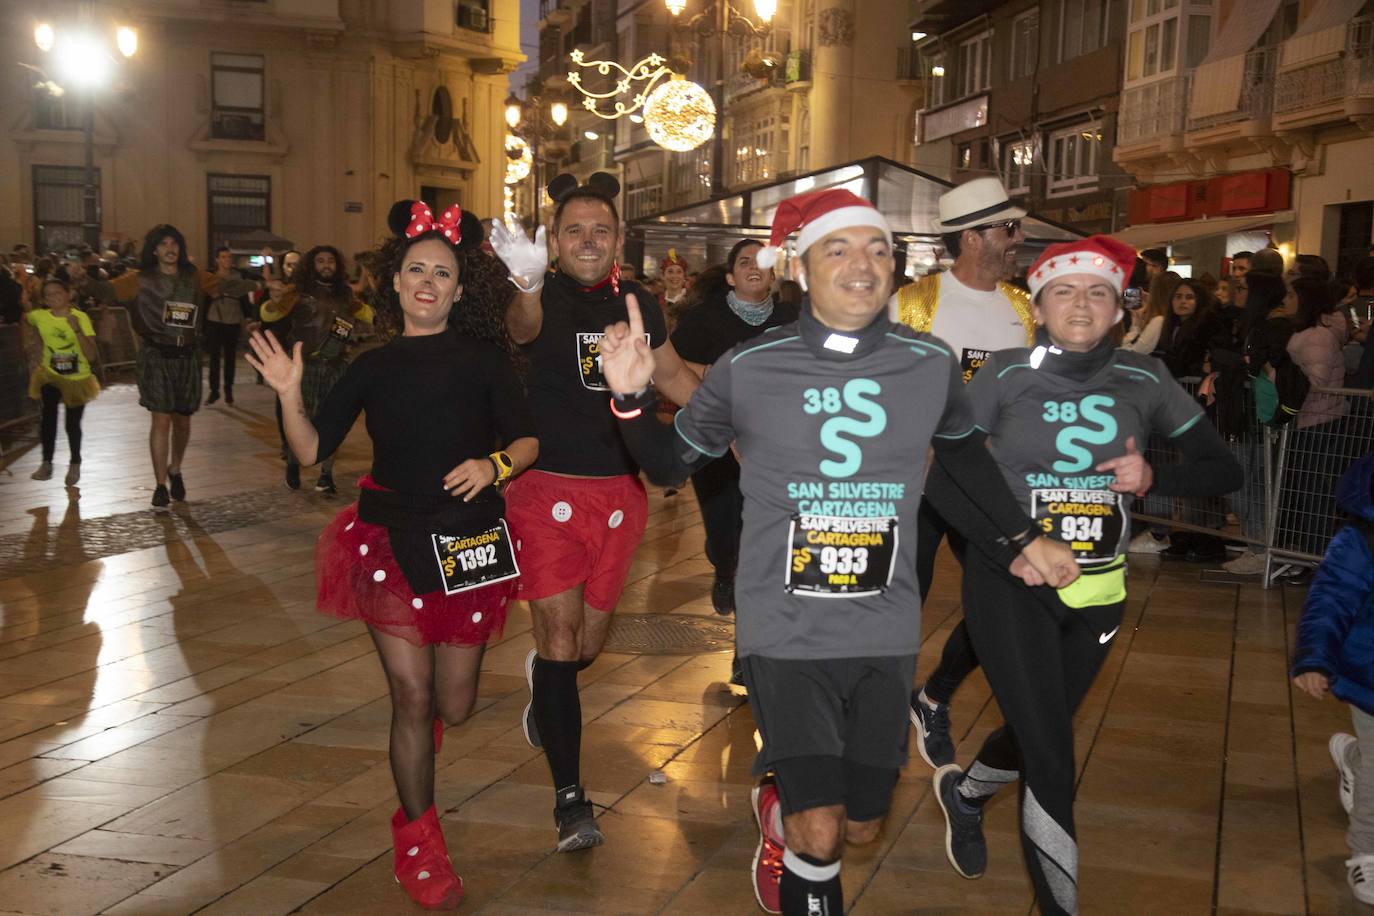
(1336, 655)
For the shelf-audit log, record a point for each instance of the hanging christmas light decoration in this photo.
(679, 115)
(519, 159)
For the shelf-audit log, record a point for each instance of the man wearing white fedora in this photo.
(976, 311)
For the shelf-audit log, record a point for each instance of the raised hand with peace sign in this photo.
(626, 358)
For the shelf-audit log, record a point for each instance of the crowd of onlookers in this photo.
(1265, 345)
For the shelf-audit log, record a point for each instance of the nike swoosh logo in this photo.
(1106, 637)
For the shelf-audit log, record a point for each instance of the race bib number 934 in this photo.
(1089, 521)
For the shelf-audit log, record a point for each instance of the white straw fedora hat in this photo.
(976, 203)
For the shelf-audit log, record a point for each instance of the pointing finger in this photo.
(636, 320)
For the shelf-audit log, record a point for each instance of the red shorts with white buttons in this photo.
(575, 531)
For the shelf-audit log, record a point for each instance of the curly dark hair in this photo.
(147, 258)
(481, 310)
(305, 278)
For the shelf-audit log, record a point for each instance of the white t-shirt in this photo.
(975, 322)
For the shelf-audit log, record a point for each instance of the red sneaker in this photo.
(422, 864)
(768, 855)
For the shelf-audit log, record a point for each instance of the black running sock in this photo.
(557, 712)
(810, 887)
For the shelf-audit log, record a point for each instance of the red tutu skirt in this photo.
(358, 578)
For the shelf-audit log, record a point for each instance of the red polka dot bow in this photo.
(422, 220)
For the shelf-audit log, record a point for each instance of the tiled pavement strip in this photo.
(180, 732)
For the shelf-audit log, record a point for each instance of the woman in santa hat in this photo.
(1066, 422)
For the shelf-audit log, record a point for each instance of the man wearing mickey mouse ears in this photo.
(580, 513)
(833, 445)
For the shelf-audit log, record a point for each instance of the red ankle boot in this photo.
(422, 865)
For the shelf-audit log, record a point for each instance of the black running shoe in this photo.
(293, 475)
(527, 719)
(964, 843)
(178, 486)
(576, 821)
(160, 498)
(325, 485)
(932, 731)
(214, 396)
(723, 594)
(228, 396)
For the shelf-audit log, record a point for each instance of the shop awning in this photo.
(1151, 235)
(908, 198)
(1218, 79)
(1321, 35)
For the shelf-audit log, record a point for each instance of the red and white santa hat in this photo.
(1099, 255)
(817, 214)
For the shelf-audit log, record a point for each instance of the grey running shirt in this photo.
(833, 432)
(1049, 433)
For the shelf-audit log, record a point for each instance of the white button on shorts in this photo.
(561, 511)
(616, 518)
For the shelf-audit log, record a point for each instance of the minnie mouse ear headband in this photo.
(599, 184)
(459, 227)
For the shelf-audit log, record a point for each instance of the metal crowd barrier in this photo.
(114, 339)
(16, 364)
(1286, 507)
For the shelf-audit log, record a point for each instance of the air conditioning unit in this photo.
(474, 18)
(235, 127)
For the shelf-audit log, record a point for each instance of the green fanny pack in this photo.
(1096, 586)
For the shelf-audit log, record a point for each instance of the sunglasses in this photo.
(1011, 226)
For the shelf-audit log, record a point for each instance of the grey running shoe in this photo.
(576, 821)
(964, 843)
(932, 731)
(73, 474)
(527, 720)
(44, 472)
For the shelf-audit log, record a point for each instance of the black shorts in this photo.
(834, 730)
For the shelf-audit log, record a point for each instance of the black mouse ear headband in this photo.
(409, 218)
(601, 184)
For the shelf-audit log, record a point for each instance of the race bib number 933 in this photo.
(833, 557)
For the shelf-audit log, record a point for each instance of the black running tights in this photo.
(1040, 657)
(48, 425)
(957, 660)
(722, 512)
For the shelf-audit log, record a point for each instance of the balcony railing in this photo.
(1331, 80)
(910, 67)
(1153, 110)
(1256, 91)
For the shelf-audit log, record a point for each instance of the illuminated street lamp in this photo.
(537, 121)
(81, 55)
(719, 18)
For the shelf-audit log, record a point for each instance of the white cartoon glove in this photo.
(526, 260)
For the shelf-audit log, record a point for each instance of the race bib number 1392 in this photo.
(833, 557)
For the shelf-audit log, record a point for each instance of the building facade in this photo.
(1026, 90)
(1251, 122)
(301, 119)
(819, 87)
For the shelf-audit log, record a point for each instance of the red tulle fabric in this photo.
(357, 578)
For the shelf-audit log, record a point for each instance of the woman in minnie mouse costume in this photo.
(425, 557)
